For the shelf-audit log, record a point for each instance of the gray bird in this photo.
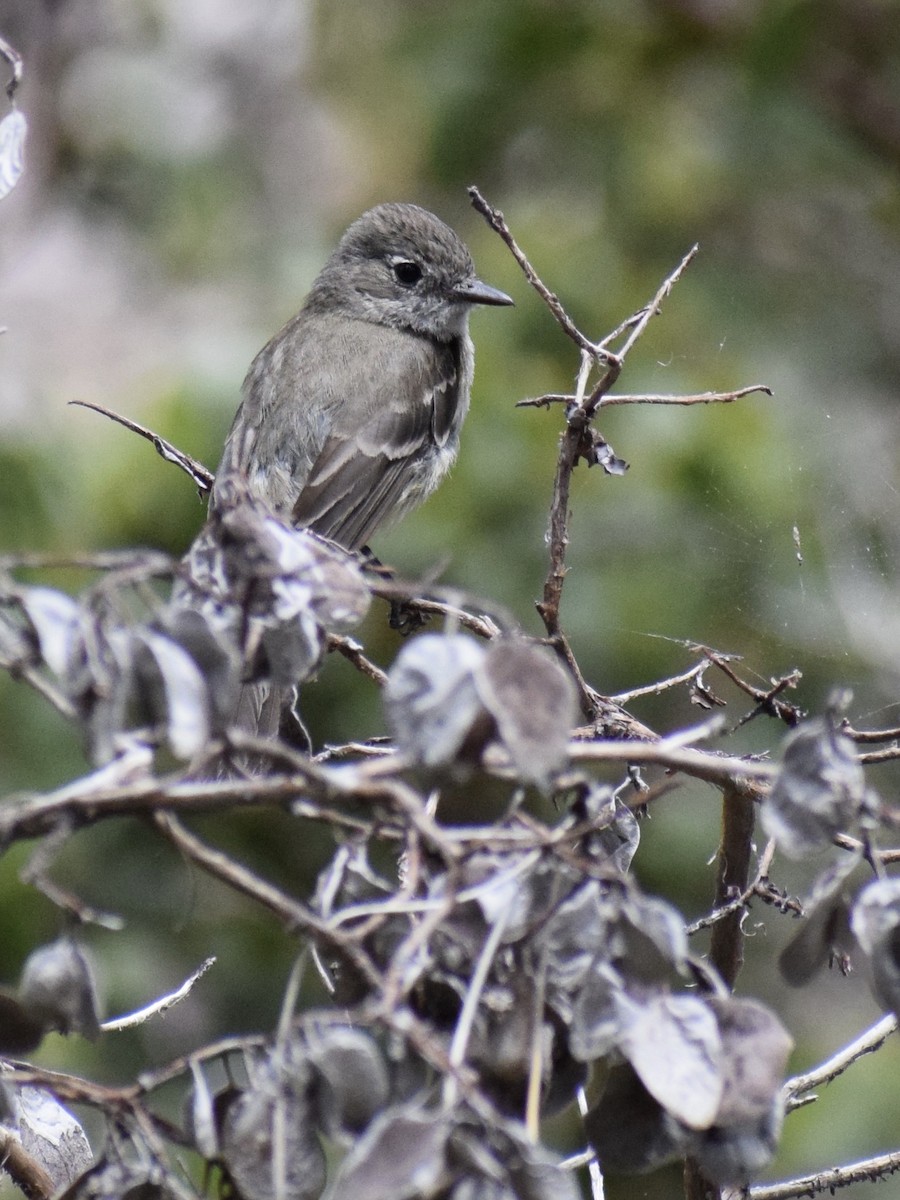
(351, 414)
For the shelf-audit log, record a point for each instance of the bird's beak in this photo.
(473, 291)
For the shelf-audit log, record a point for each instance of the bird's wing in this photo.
(374, 470)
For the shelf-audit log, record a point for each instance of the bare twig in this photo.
(767, 701)
(889, 754)
(867, 737)
(148, 563)
(350, 649)
(588, 1157)
(663, 291)
(867, 1170)
(160, 1006)
(538, 1051)
(201, 475)
(494, 218)
(466, 1019)
(655, 689)
(870, 1040)
(291, 912)
(738, 904)
(747, 775)
(434, 601)
(39, 815)
(550, 398)
(35, 679)
(578, 440)
(726, 948)
(36, 871)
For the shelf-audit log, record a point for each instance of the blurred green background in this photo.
(190, 165)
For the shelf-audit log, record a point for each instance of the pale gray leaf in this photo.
(56, 620)
(876, 926)
(13, 129)
(215, 656)
(533, 701)
(401, 1156)
(340, 597)
(52, 1136)
(595, 1023)
(617, 836)
(825, 929)
(107, 691)
(574, 935)
(183, 706)
(263, 1126)
(818, 792)
(674, 1045)
(292, 649)
(201, 1115)
(58, 987)
(352, 1079)
(430, 698)
(755, 1050)
(651, 940)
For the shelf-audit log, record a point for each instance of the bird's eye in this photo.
(406, 272)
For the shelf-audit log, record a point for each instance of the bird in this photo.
(351, 415)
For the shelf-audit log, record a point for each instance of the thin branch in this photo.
(713, 768)
(200, 474)
(694, 733)
(160, 1006)
(656, 689)
(35, 679)
(147, 562)
(867, 1170)
(582, 1159)
(767, 701)
(726, 948)
(866, 737)
(495, 219)
(593, 705)
(550, 398)
(663, 291)
(36, 873)
(466, 1020)
(98, 796)
(870, 1040)
(685, 401)
(588, 1157)
(738, 903)
(290, 912)
(890, 754)
(536, 1057)
(350, 649)
(84, 803)
(434, 601)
